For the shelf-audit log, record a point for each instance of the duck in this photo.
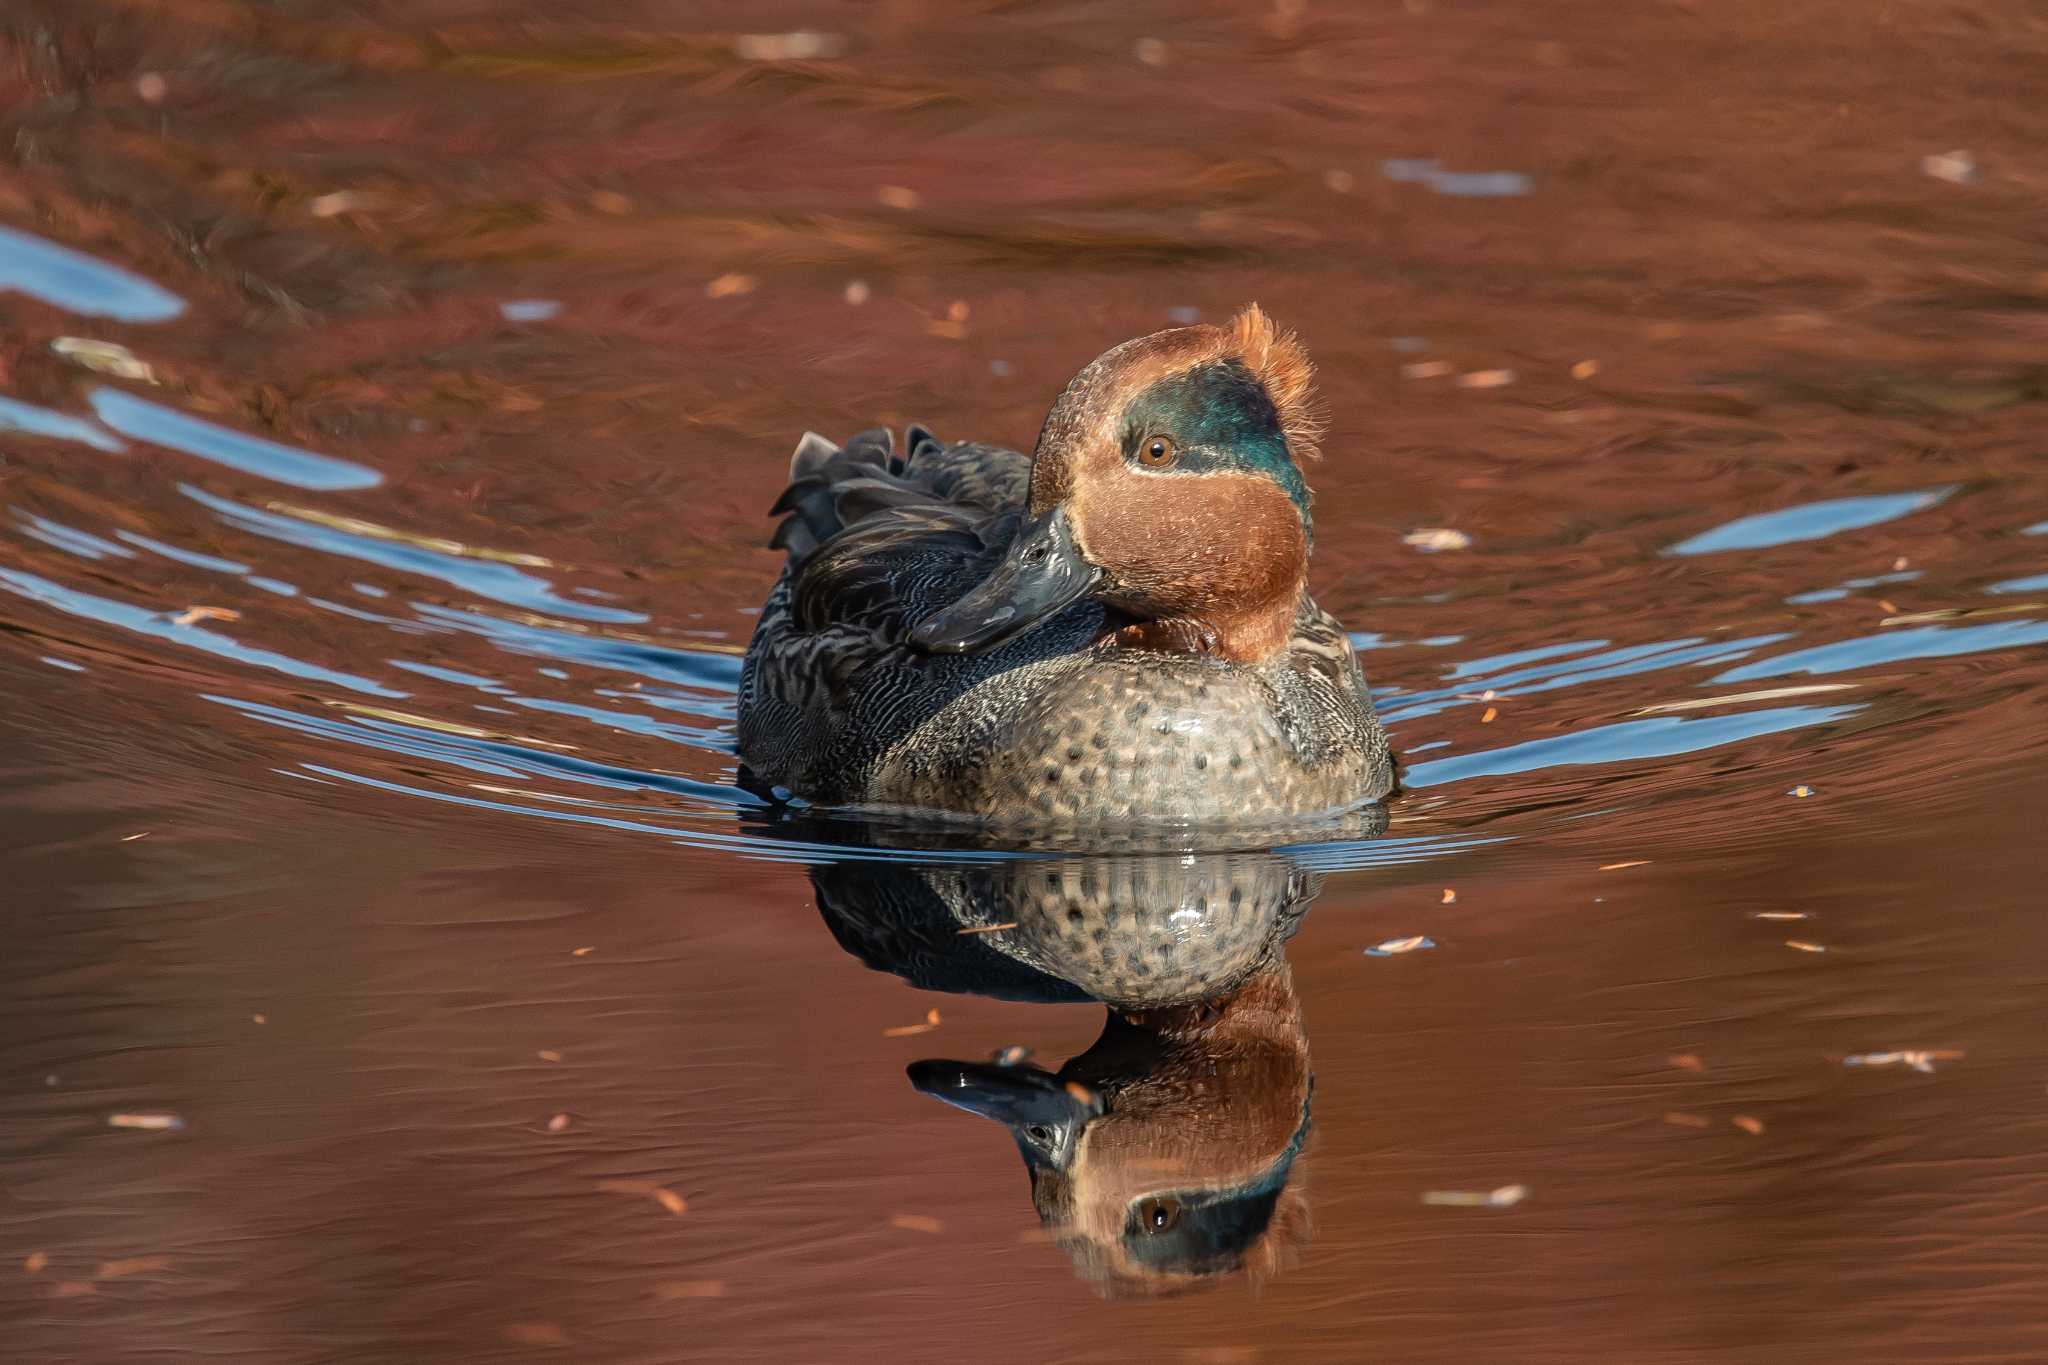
(1113, 631)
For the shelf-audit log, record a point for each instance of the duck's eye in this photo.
(1155, 1216)
(1157, 452)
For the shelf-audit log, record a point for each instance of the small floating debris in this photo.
(1616, 867)
(339, 202)
(581, 952)
(1487, 379)
(559, 1123)
(1764, 694)
(857, 292)
(529, 310)
(1957, 167)
(728, 286)
(1752, 1126)
(611, 202)
(133, 1265)
(1780, 914)
(1681, 1120)
(152, 87)
(1502, 1197)
(1803, 946)
(931, 1021)
(646, 1189)
(1434, 539)
(1802, 791)
(36, 1262)
(1921, 1060)
(899, 197)
(1450, 897)
(194, 615)
(548, 1054)
(915, 1222)
(1491, 712)
(989, 928)
(1686, 1061)
(1426, 369)
(1016, 1054)
(148, 1123)
(535, 1334)
(1150, 51)
(1339, 181)
(1585, 369)
(1394, 947)
(104, 357)
(802, 45)
(131, 838)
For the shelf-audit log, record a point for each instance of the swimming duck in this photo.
(1115, 629)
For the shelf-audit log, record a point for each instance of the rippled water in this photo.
(390, 396)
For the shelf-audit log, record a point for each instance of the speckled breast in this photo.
(1105, 737)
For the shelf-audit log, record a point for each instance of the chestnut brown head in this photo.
(1167, 482)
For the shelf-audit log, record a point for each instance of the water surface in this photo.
(373, 582)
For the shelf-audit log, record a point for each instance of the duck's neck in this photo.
(1250, 635)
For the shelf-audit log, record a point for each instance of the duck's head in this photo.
(1167, 483)
(1161, 1158)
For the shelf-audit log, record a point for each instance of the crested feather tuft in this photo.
(1278, 358)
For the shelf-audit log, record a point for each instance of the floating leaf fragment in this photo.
(148, 1123)
(104, 357)
(193, 615)
(1805, 947)
(1780, 914)
(133, 1265)
(648, 1189)
(36, 1262)
(1393, 947)
(1921, 1060)
(1487, 379)
(1502, 1197)
(931, 1021)
(1436, 539)
(559, 1123)
(1585, 369)
(1752, 1126)
(727, 286)
(915, 1222)
(1450, 897)
(548, 1054)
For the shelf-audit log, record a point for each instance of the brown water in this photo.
(426, 834)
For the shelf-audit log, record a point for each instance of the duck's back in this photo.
(836, 706)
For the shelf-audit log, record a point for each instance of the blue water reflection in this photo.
(486, 578)
(79, 283)
(159, 425)
(1808, 521)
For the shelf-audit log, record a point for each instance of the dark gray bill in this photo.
(1043, 1115)
(1041, 574)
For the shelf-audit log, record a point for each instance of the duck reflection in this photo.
(1166, 1155)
